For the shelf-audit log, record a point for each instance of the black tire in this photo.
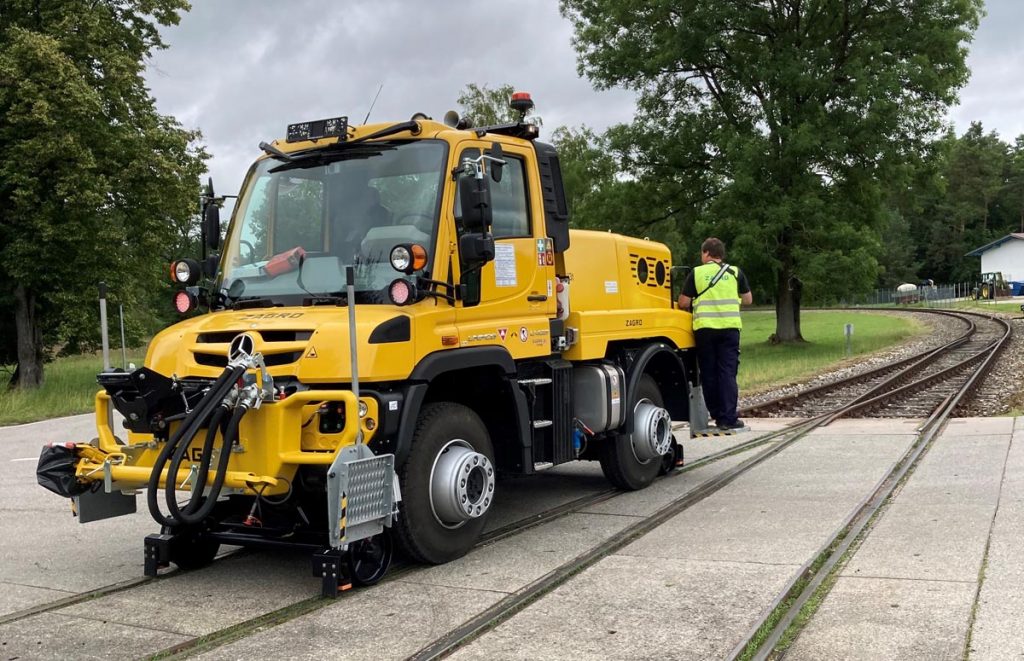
(418, 531)
(618, 460)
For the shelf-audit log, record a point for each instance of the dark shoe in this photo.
(733, 426)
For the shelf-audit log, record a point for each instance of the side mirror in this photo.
(211, 225)
(498, 161)
(475, 249)
(210, 266)
(475, 198)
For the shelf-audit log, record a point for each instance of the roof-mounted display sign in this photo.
(335, 127)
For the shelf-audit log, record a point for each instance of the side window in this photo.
(509, 202)
(509, 205)
(299, 220)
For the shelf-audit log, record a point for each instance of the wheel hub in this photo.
(652, 431)
(461, 484)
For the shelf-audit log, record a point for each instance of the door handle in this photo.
(536, 298)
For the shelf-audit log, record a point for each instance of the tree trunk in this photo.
(30, 355)
(787, 307)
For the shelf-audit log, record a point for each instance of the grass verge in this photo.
(69, 388)
(763, 365)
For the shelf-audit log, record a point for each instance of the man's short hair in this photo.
(713, 247)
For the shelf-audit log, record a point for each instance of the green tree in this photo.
(488, 107)
(777, 120)
(94, 183)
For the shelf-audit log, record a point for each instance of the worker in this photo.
(714, 290)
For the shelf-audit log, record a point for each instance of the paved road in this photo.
(690, 589)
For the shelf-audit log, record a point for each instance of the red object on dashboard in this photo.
(284, 262)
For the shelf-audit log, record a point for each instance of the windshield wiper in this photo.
(252, 302)
(330, 154)
(341, 145)
(275, 152)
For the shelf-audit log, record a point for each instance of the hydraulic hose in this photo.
(214, 425)
(230, 435)
(184, 434)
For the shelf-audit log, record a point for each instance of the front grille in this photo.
(225, 337)
(270, 360)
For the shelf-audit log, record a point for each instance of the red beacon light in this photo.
(521, 103)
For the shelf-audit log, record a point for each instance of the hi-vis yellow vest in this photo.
(719, 306)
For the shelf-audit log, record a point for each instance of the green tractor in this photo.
(991, 286)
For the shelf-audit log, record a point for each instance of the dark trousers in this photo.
(718, 355)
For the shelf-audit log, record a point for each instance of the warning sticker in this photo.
(505, 265)
(311, 353)
(502, 332)
(611, 286)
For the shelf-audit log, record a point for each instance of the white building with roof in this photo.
(1005, 255)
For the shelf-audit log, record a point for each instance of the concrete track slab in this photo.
(888, 619)
(870, 426)
(752, 519)
(520, 498)
(54, 636)
(694, 586)
(925, 542)
(391, 621)
(510, 564)
(997, 633)
(939, 523)
(194, 603)
(15, 597)
(52, 550)
(647, 501)
(637, 608)
(979, 426)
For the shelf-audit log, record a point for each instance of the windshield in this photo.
(339, 208)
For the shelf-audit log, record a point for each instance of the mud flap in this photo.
(98, 505)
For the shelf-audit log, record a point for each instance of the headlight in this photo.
(400, 258)
(408, 257)
(185, 272)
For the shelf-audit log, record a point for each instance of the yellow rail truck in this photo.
(398, 313)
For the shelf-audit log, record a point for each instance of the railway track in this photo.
(963, 361)
(918, 383)
(966, 359)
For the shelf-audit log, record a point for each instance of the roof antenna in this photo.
(373, 103)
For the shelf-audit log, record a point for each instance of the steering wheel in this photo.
(421, 221)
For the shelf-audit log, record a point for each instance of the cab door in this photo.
(517, 297)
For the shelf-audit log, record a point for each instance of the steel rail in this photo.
(509, 606)
(781, 616)
(926, 356)
(213, 640)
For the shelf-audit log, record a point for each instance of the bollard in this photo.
(103, 327)
(849, 337)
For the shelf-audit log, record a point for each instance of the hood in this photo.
(309, 343)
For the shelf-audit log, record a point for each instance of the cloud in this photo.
(241, 71)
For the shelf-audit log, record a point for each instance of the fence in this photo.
(923, 295)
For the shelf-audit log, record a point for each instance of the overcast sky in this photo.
(241, 70)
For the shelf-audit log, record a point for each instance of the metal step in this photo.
(543, 381)
(543, 465)
(540, 424)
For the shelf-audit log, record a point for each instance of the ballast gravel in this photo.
(1001, 390)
